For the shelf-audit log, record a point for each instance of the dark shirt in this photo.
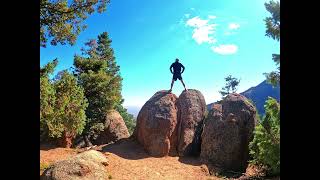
(177, 68)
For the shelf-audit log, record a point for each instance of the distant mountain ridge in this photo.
(259, 95)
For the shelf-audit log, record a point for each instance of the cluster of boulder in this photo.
(171, 125)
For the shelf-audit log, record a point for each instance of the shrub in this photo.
(265, 147)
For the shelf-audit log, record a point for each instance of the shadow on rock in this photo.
(192, 160)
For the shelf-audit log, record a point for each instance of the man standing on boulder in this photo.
(177, 73)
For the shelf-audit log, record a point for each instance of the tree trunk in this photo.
(66, 140)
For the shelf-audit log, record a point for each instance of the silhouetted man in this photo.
(176, 66)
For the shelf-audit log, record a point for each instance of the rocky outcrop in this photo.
(157, 121)
(84, 166)
(227, 131)
(114, 129)
(191, 112)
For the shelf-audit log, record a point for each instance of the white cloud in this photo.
(202, 30)
(225, 49)
(196, 22)
(233, 26)
(212, 17)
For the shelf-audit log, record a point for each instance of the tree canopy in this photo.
(99, 75)
(62, 21)
(231, 86)
(62, 104)
(273, 31)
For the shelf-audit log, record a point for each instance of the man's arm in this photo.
(182, 68)
(171, 68)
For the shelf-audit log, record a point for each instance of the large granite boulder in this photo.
(114, 129)
(227, 131)
(191, 112)
(157, 121)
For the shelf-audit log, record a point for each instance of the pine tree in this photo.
(265, 147)
(62, 21)
(99, 75)
(273, 31)
(70, 106)
(47, 98)
(230, 87)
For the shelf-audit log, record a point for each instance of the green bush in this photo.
(47, 98)
(70, 106)
(62, 104)
(265, 147)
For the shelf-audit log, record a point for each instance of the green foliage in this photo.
(257, 113)
(231, 86)
(273, 31)
(273, 22)
(62, 21)
(47, 98)
(48, 68)
(62, 104)
(128, 118)
(98, 74)
(70, 106)
(273, 77)
(265, 147)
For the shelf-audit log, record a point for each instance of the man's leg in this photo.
(171, 85)
(183, 84)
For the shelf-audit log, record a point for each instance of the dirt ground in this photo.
(128, 161)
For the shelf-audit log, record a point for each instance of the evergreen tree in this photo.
(62, 105)
(70, 105)
(230, 87)
(62, 21)
(98, 74)
(47, 98)
(273, 31)
(265, 147)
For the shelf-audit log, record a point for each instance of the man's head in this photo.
(177, 60)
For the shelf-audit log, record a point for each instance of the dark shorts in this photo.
(176, 76)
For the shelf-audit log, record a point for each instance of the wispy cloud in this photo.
(203, 30)
(233, 26)
(225, 49)
(196, 22)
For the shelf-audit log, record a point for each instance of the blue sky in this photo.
(212, 39)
